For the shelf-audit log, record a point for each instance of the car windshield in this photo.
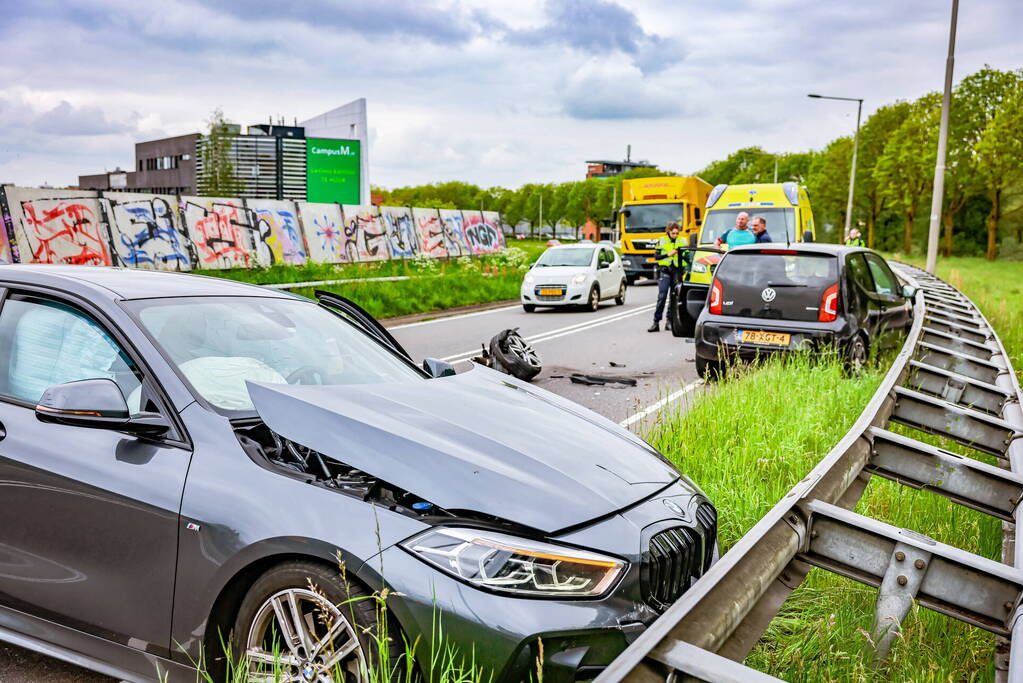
(651, 217)
(565, 256)
(779, 222)
(218, 343)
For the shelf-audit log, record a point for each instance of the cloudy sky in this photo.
(495, 93)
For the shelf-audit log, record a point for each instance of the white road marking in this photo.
(654, 407)
(560, 332)
(454, 317)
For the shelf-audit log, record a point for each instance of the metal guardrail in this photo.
(952, 378)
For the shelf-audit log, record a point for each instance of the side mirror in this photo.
(438, 368)
(693, 239)
(909, 291)
(98, 404)
(603, 264)
(808, 235)
(626, 213)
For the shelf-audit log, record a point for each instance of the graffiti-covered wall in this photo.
(182, 233)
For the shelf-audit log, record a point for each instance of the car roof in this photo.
(803, 247)
(130, 283)
(577, 245)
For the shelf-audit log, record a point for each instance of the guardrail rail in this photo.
(952, 378)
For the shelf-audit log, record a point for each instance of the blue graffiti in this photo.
(150, 238)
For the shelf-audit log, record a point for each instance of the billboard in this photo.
(332, 170)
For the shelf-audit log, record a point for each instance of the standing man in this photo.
(739, 235)
(855, 239)
(668, 268)
(760, 229)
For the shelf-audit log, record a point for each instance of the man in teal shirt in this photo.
(739, 235)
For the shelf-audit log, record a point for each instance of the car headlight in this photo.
(579, 279)
(528, 279)
(489, 559)
(699, 267)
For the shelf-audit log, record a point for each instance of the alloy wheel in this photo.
(306, 638)
(594, 299)
(519, 347)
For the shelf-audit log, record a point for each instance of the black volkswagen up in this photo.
(770, 298)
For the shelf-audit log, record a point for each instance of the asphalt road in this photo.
(577, 341)
(568, 341)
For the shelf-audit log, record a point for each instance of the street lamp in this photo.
(856, 145)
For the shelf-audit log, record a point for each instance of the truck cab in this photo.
(648, 205)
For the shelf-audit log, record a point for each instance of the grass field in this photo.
(758, 433)
(432, 284)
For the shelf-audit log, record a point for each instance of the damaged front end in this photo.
(270, 450)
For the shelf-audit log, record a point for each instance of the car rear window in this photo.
(778, 284)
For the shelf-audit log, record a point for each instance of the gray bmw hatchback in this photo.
(189, 464)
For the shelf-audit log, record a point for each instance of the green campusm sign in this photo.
(332, 170)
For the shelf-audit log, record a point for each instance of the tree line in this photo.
(983, 205)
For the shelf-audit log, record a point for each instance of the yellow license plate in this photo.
(761, 337)
(651, 260)
(551, 292)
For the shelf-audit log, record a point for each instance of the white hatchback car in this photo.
(574, 275)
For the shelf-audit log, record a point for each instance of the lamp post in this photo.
(938, 191)
(856, 145)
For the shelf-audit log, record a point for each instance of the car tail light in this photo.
(829, 305)
(716, 294)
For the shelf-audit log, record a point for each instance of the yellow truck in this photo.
(648, 205)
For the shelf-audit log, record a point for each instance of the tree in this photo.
(998, 153)
(903, 170)
(874, 135)
(828, 182)
(218, 177)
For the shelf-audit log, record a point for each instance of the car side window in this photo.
(859, 272)
(43, 343)
(884, 279)
(603, 257)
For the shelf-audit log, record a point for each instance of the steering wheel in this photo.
(311, 373)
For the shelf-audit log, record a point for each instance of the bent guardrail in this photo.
(953, 378)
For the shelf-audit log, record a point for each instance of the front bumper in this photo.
(502, 633)
(718, 339)
(574, 295)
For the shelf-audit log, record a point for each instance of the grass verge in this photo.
(759, 432)
(432, 284)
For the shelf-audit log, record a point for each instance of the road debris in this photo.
(600, 380)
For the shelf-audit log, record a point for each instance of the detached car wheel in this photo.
(516, 355)
(322, 634)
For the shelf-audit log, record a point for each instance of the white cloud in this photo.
(488, 92)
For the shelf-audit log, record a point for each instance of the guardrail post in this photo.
(895, 597)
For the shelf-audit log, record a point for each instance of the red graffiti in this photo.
(218, 235)
(67, 233)
(431, 235)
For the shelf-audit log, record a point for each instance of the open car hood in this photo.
(479, 441)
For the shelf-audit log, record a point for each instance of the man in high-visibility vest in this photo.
(668, 267)
(854, 239)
